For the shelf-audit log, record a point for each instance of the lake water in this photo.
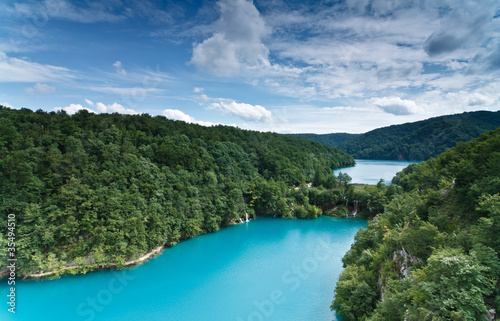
(266, 269)
(370, 171)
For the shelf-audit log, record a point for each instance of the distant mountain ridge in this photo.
(330, 140)
(414, 141)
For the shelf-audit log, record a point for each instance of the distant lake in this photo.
(266, 269)
(370, 171)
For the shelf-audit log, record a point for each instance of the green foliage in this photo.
(420, 140)
(433, 253)
(354, 297)
(452, 286)
(89, 190)
(330, 140)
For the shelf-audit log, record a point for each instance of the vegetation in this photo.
(412, 141)
(93, 190)
(433, 254)
(330, 140)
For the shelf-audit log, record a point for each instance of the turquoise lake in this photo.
(370, 171)
(265, 269)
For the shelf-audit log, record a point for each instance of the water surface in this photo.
(370, 171)
(267, 269)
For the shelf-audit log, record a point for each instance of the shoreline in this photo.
(137, 261)
(96, 267)
(105, 266)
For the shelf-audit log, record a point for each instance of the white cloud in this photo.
(397, 106)
(5, 104)
(101, 108)
(119, 68)
(254, 113)
(114, 108)
(20, 70)
(237, 42)
(41, 89)
(242, 110)
(176, 114)
(365, 48)
(203, 99)
(73, 108)
(306, 118)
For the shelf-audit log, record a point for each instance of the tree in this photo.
(452, 286)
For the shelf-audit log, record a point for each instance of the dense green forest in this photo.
(413, 141)
(330, 140)
(91, 189)
(433, 254)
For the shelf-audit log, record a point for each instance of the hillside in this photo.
(433, 254)
(423, 139)
(98, 190)
(330, 140)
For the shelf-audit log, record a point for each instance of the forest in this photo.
(88, 190)
(92, 190)
(330, 140)
(412, 141)
(433, 252)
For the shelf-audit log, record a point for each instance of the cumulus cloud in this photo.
(366, 48)
(255, 113)
(176, 114)
(237, 42)
(73, 109)
(101, 108)
(41, 89)
(242, 110)
(397, 106)
(114, 108)
(5, 104)
(21, 70)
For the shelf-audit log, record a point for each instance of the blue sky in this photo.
(273, 65)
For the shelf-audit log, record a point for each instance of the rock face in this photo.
(491, 315)
(404, 260)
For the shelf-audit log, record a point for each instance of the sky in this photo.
(267, 65)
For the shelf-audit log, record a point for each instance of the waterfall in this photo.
(246, 216)
(356, 206)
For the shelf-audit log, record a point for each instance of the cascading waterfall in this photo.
(246, 216)
(356, 207)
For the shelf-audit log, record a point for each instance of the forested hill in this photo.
(434, 252)
(411, 141)
(91, 189)
(423, 139)
(330, 140)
